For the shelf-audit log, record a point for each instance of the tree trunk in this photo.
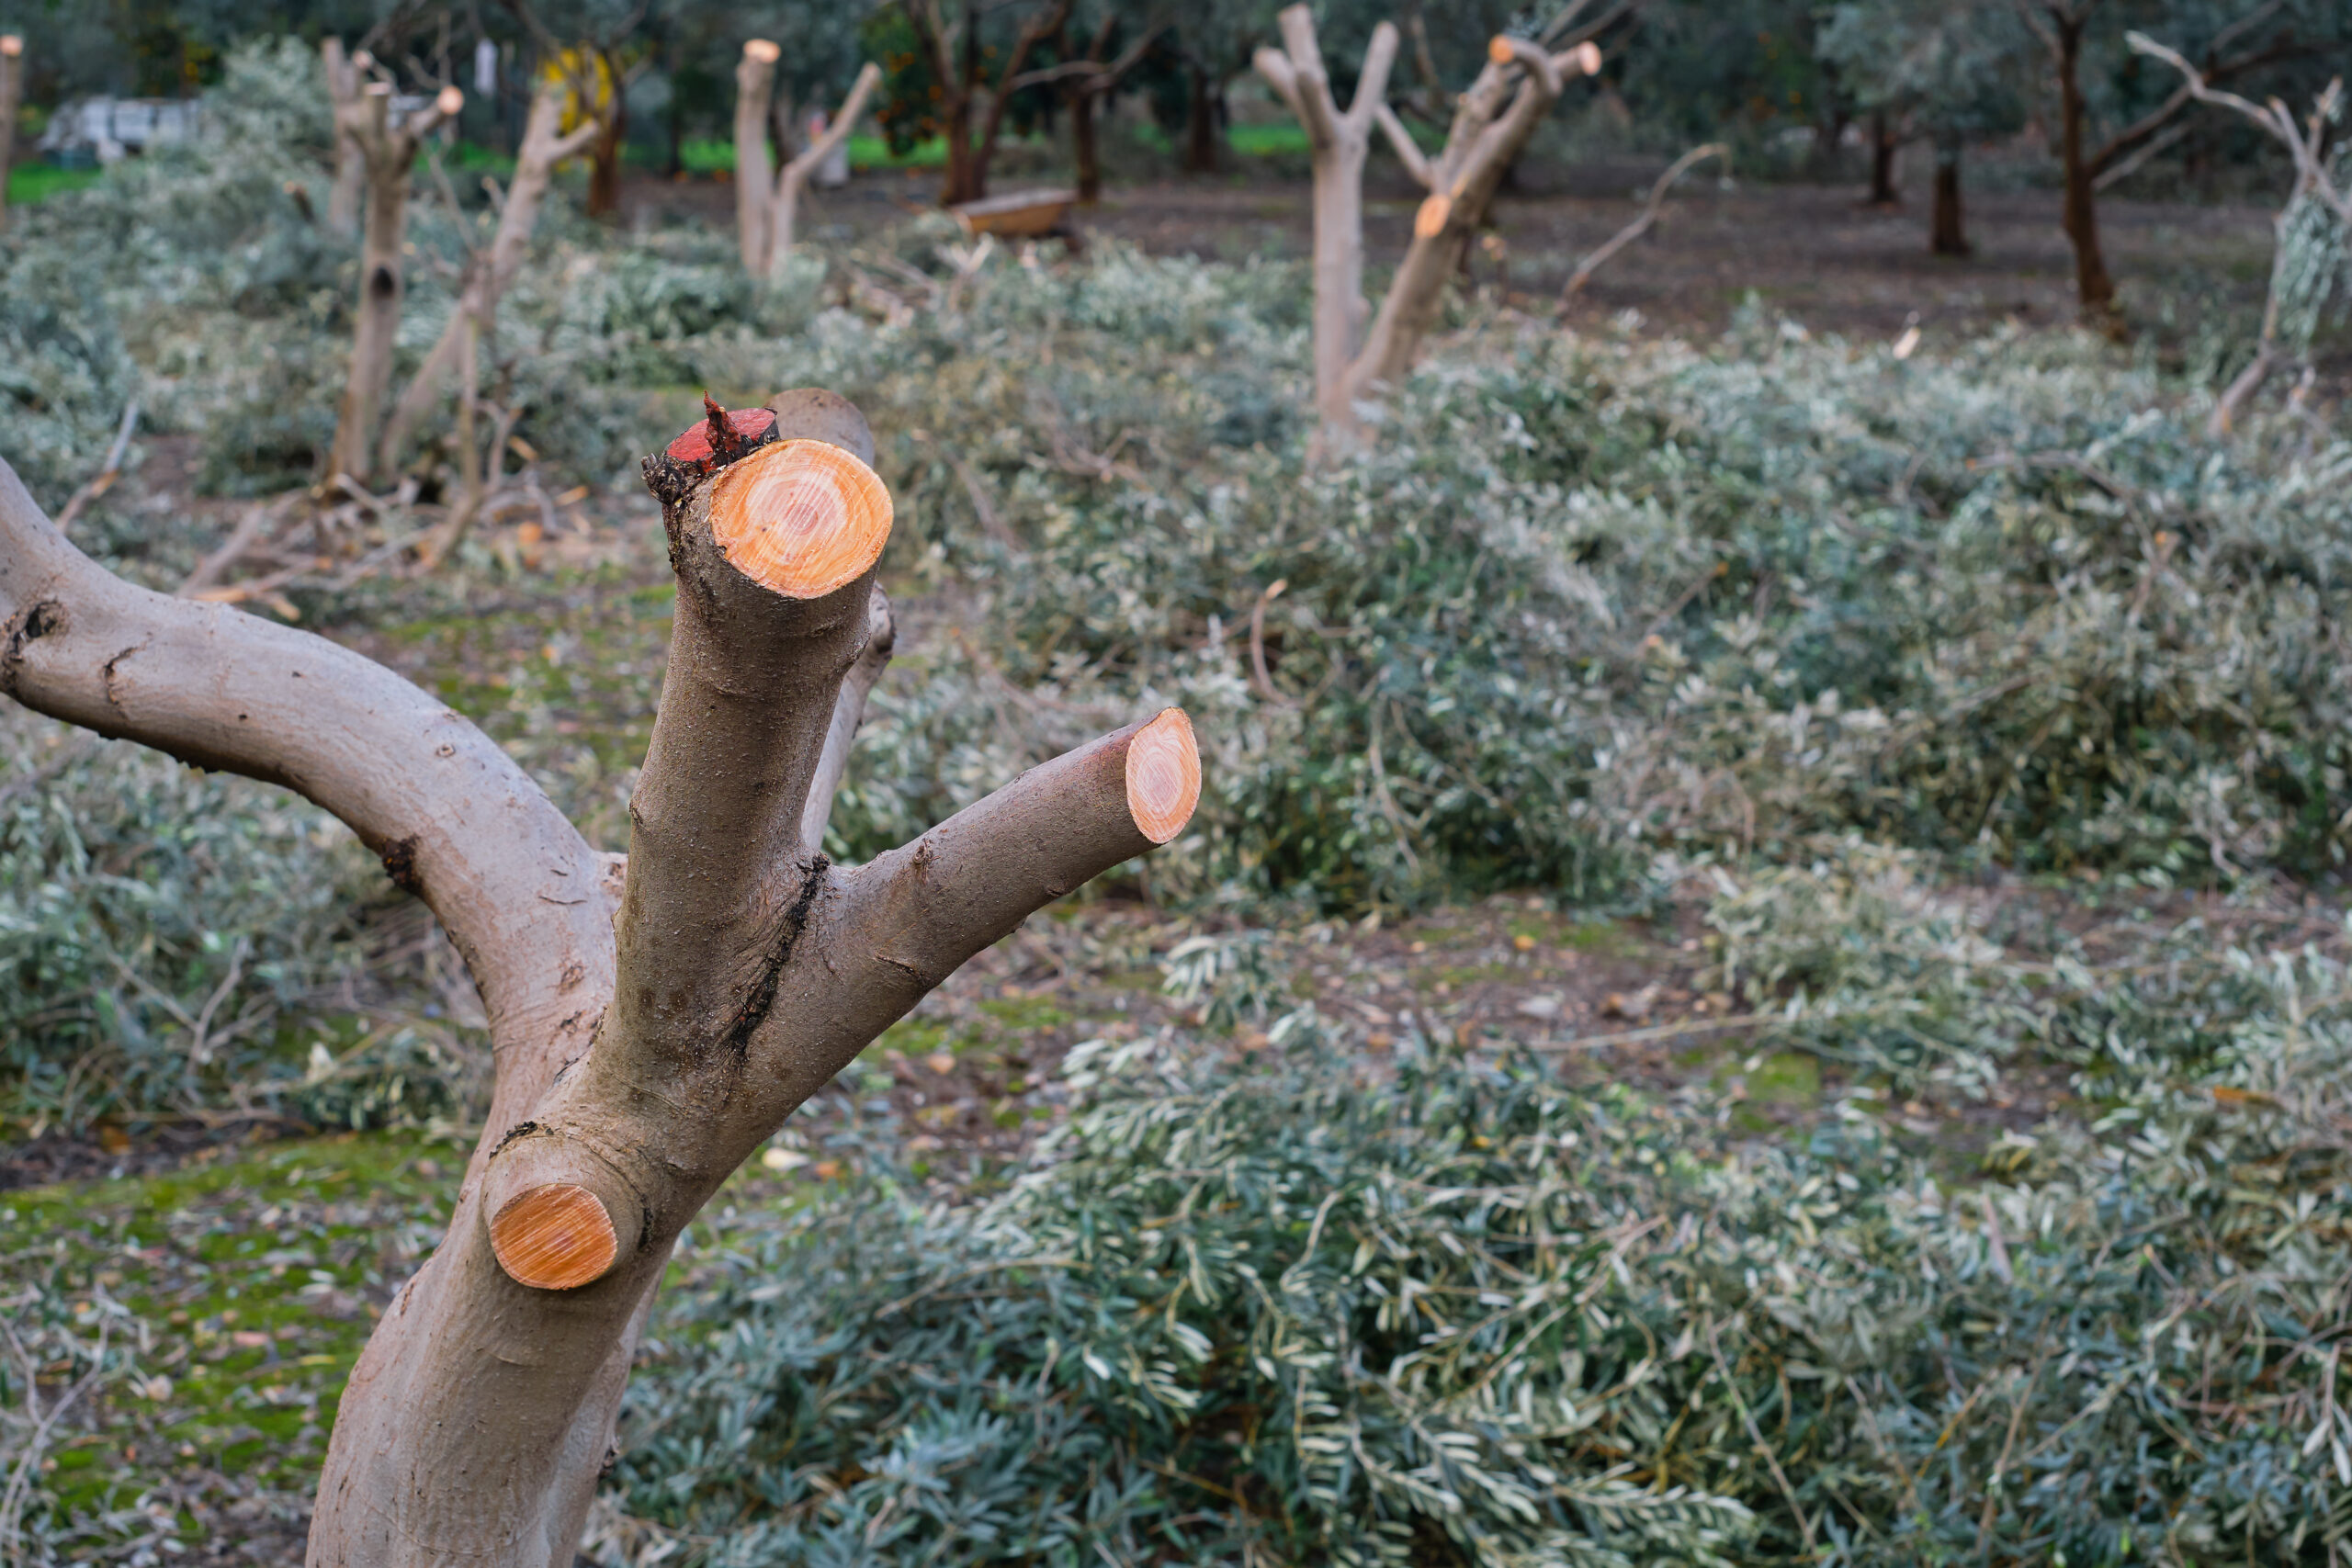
(12, 83)
(1337, 142)
(543, 148)
(784, 202)
(1883, 146)
(1040, 27)
(1199, 121)
(1486, 137)
(350, 163)
(1083, 151)
(754, 90)
(605, 155)
(652, 1026)
(963, 179)
(2093, 289)
(1946, 236)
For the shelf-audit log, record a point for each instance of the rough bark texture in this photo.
(343, 74)
(2094, 289)
(784, 202)
(389, 149)
(651, 1030)
(1883, 146)
(1947, 235)
(12, 82)
(754, 90)
(492, 272)
(604, 151)
(1337, 142)
(1492, 123)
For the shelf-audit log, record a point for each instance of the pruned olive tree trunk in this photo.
(2315, 182)
(783, 201)
(1338, 140)
(544, 147)
(653, 1020)
(1492, 123)
(754, 96)
(11, 86)
(346, 75)
(388, 148)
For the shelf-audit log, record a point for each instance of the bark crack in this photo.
(735, 1042)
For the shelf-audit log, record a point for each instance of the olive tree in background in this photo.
(1947, 70)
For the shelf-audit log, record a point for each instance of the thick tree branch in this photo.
(754, 89)
(911, 917)
(784, 202)
(453, 818)
(849, 712)
(1409, 151)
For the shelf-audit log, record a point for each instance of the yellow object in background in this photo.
(585, 80)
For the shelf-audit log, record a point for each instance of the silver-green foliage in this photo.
(165, 937)
(1298, 1308)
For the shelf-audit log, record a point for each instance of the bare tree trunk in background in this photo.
(1200, 119)
(11, 86)
(390, 151)
(1491, 127)
(1042, 25)
(543, 148)
(344, 81)
(604, 151)
(1946, 234)
(1884, 146)
(754, 89)
(2094, 289)
(653, 1021)
(1337, 144)
(1084, 153)
(784, 201)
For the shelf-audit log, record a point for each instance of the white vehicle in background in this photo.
(111, 128)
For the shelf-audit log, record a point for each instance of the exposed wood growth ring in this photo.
(801, 518)
(1163, 776)
(555, 1237)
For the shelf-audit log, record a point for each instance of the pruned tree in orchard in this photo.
(1947, 70)
(953, 72)
(2228, 41)
(11, 86)
(653, 1019)
(2312, 259)
(386, 145)
(1492, 122)
(766, 210)
(490, 272)
(1082, 79)
(596, 68)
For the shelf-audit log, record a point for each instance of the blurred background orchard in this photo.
(1761, 975)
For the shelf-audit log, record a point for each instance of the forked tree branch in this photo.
(642, 1057)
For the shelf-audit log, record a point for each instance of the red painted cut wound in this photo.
(745, 424)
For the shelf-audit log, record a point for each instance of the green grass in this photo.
(30, 182)
(256, 1276)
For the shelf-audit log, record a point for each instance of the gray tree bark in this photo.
(543, 148)
(388, 151)
(1492, 124)
(754, 91)
(344, 80)
(1337, 144)
(652, 1021)
(11, 85)
(784, 201)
